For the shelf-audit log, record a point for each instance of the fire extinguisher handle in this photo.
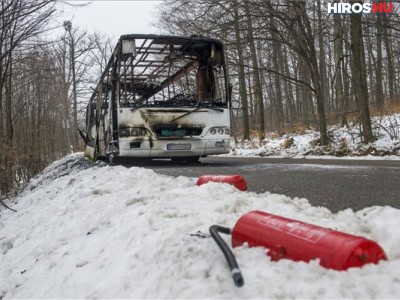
(230, 258)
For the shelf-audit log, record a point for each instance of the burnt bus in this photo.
(160, 97)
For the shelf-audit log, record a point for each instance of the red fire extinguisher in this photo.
(236, 180)
(299, 241)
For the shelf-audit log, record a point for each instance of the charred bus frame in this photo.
(161, 97)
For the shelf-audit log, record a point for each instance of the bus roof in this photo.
(171, 38)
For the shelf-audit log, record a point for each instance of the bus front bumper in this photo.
(173, 148)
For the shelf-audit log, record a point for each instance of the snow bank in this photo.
(94, 231)
(346, 142)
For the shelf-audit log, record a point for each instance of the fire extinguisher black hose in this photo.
(230, 258)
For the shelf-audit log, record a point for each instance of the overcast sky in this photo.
(113, 17)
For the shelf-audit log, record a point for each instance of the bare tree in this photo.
(242, 78)
(21, 21)
(359, 78)
(379, 96)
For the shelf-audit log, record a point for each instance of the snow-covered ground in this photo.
(96, 231)
(346, 143)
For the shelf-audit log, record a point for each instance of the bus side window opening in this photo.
(205, 82)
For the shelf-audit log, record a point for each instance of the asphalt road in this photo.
(335, 184)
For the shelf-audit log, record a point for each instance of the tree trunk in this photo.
(276, 49)
(378, 74)
(242, 78)
(9, 125)
(283, 61)
(306, 35)
(74, 95)
(388, 46)
(304, 97)
(257, 83)
(338, 53)
(359, 77)
(8, 157)
(322, 61)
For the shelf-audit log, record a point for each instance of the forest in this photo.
(292, 64)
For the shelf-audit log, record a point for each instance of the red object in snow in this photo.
(236, 180)
(286, 238)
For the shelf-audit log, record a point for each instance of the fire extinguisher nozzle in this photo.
(237, 277)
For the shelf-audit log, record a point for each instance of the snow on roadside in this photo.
(346, 143)
(96, 231)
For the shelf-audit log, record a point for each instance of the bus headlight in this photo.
(124, 132)
(137, 131)
(219, 130)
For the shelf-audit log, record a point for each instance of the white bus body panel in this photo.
(155, 147)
